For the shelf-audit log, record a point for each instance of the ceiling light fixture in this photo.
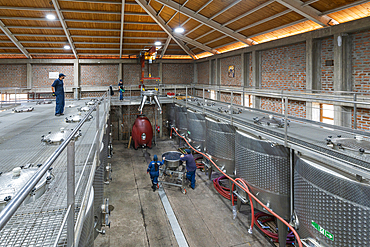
(157, 43)
(67, 47)
(50, 17)
(179, 29)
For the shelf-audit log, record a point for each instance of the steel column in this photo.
(354, 112)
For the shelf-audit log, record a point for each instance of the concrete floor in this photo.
(139, 219)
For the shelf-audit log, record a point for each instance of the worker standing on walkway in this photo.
(58, 91)
(153, 170)
(121, 89)
(191, 167)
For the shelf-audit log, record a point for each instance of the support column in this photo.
(210, 72)
(77, 80)
(29, 76)
(218, 77)
(313, 70)
(71, 192)
(256, 76)
(342, 76)
(195, 79)
(244, 57)
(120, 73)
(161, 71)
(160, 123)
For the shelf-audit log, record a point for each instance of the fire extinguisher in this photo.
(157, 128)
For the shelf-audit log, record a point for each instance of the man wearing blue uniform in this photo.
(58, 91)
(121, 89)
(153, 170)
(191, 167)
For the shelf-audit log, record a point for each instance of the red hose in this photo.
(274, 236)
(224, 191)
(249, 193)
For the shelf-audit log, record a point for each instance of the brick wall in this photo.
(226, 97)
(40, 74)
(363, 119)
(231, 61)
(131, 74)
(199, 93)
(284, 67)
(295, 108)
(327, 72)
(99, 75)
(178, 73)
(13, 75)
(203, 72)
(361, 61)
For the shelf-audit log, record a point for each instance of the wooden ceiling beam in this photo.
(64, 25)
(204, 20)
(14, 39)
(149, 9)
(225, 9)
(249, 12)
(165, 46)
(159, 11)
(264, 20)
(196, 43)
(122, 25)
(308, 12)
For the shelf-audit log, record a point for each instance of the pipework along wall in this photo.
(231, 61)
(284, 67)
(203, 73)
(99, 75)
(40, 75)
(13, 75)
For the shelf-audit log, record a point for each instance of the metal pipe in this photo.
(355, 111)
(291, 177)
(203, 101)
(97, 144)
(231, 108)
(71, 192)
(186, 97)
(286, 122)
(15, 203)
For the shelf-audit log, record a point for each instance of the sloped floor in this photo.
(139, 219)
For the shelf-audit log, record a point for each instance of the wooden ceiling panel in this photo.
(92, 46)
(90, 6)
(133, 8)
(15, 22)
(167, 13)
(215, 7)
(57, 45)
(50, 51)
(89, 16)
(190, 24)
(238, 9)
(8, 45)
(199, 31)
(156, 6)
(197, 51)
(326, 5)
(97, 52)
(16, 31)
(220, 42)
(12, 51)
(96, 25)
(146, 34)
(195, 5)
(210, 37)
(137, 18)
(28, 3)
(95, 33)
(282, 20)
(25, 13)
(351, 14)
(99, 40)
(30, 38)
(259, 15)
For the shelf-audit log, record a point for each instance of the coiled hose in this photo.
(245, 188)
(224, 191)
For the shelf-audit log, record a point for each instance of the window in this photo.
(323, 113)
(248, 101)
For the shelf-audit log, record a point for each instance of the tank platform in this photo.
(38, 223)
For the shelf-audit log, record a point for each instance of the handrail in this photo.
(18, 199)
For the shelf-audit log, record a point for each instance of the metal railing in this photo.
(73, 229)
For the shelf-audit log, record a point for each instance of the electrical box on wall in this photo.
(329, 62)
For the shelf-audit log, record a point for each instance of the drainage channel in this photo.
(179, 235)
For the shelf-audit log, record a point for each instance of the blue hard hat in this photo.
(155, 157)
(188, 151)
(61, 74)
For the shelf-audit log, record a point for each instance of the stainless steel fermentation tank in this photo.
(171, 115)
(220, 145)
(266, 169)
(197, 129)
(181, 119)
(332, 208)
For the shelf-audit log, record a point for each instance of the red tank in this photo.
(142, 132)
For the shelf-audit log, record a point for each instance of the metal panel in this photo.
(220, 144)
(338, 204)
(87, 234)
(197, 129)
(266, 169)
(171, 114)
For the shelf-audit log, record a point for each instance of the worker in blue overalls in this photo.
(121, 89)
(153, 170)
(58, 91)
(191, 167)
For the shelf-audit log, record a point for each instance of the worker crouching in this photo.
(191, 167)
(153, 170)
